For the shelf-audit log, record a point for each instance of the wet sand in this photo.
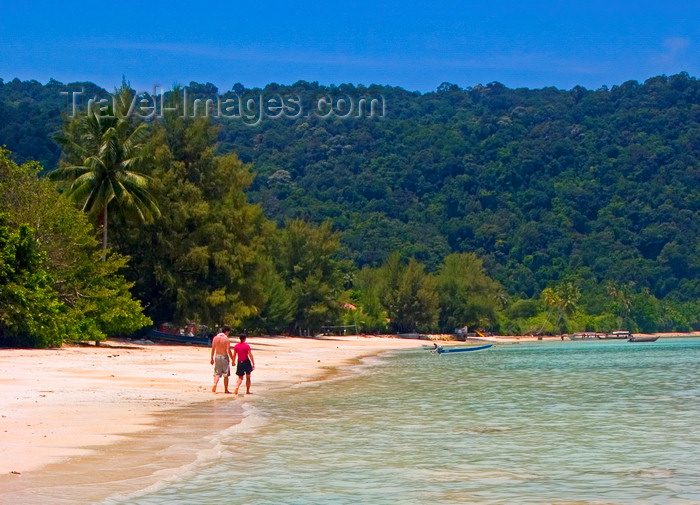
(82, 423)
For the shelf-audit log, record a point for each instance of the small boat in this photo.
(179, 338)
(584, 336)
(615, 335)
(440, 350)
(642, 339)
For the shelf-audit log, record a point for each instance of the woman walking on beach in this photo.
(246, 364)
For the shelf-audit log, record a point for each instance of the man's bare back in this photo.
(221, 344)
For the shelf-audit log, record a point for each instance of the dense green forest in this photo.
(54, 286)
(514, 210)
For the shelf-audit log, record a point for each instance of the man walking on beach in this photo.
(246, 364)
(221, 357)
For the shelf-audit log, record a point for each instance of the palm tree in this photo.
(107, 154)
(569, 295)
(621, 300)
(551, 299)
(564, 298)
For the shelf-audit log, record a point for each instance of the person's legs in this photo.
(247, 383)
(222, 368)
(238, 384)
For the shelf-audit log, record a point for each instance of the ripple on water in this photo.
(488, 430)
(653, 472)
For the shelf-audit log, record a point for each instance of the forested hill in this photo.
(542, 184)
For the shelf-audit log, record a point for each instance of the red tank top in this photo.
(241, 350)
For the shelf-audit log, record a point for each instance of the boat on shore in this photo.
(585, 336)
(616, 335)
(596, 335)
(643, 338)
(179, 338)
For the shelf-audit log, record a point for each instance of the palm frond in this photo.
(107, 153)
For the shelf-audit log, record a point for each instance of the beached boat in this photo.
(584, 336)
(640, 338)
(440, 350)
(616, 335)
(179, 338)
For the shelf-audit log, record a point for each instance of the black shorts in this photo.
(244, 368)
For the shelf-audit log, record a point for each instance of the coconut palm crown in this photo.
(107, 152)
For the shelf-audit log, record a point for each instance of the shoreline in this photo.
(81, 424)
(510, 339)
(104, 420)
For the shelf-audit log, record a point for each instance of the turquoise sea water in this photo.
(540, 423)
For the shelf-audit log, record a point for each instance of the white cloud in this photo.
(675, 48)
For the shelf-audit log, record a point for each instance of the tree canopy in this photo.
(536, 210)
(55, 286)
(102, 162)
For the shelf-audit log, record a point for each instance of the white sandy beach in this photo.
(60, 405)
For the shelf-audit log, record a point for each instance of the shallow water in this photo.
(541, 423)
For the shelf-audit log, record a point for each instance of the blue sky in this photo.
(414, 45)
